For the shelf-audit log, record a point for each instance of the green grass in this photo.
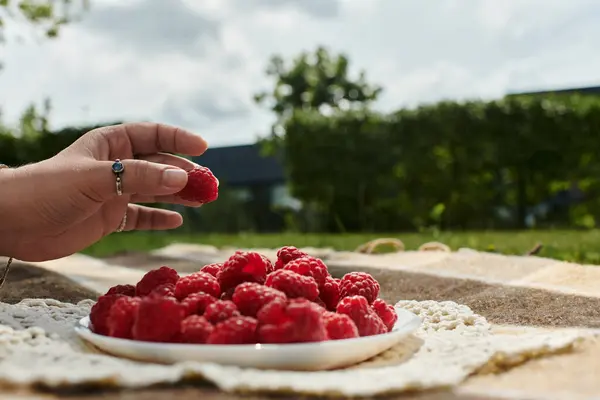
(576, 246)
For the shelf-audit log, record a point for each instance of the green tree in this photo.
(315, 80)
(47, 15)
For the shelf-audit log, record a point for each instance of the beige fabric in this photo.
(568, 376)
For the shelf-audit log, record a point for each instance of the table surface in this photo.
(500, 304)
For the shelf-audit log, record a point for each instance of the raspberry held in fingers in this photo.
(202, 186)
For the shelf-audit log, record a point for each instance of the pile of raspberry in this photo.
(246, 300)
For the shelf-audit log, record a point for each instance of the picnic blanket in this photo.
(516, 311)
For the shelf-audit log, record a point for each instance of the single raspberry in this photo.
(366, 319)
(122, 317)
(287, 254)
(212, 269)
(386, 312)
(329, 293)
(221, 310)
(202, 186)
(293, 285)
(164, 290)
(100, 312)
(244, 267)
(195, 329)
(155, 278)
(197, 282)
(291, 321)
(273, 313)
(339, 326)
(235, 330)
(359, 284)
(158, 319)
(250, 297)
(126, 290)
(309, 266)
(196, 303)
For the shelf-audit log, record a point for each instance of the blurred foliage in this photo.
(45, 15)
(313, 80)
(449, 165)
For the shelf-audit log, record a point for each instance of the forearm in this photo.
(7, 211)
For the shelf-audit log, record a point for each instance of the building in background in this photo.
(255, 179)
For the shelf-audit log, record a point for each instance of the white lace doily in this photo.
(38, 346)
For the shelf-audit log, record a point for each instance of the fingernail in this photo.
(174, 178)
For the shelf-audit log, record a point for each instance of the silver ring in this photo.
(118, 169)
(121, 227)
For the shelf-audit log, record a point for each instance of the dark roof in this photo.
(594, 90)
(242, 165)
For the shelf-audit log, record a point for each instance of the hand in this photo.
(62, 205)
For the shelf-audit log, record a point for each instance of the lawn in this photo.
(577, 246)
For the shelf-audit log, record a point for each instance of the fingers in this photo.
(169, 199)
(138, 177)
(150, 138)
(142, 218)
(169, 159)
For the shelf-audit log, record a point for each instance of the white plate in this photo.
(295, 356)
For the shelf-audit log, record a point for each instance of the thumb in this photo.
(136, 177)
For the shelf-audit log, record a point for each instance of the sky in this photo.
(197, 64)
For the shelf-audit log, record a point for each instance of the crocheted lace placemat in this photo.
(39, 347)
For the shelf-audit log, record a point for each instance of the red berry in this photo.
(196, 303)
(164, 290)
(329, 293)
(287, 254)
(202, 186)
(236, 330)
(250, 297)
(274, 313)
(158, 319)
(155, 278)
(126, 290)
(221, 310)
(359, 284)
(365, 318)
(197, 282)
(339, 326)
(386, 312)
(309, 266)
(293, 284)
(195, 329)
(100, 312)
(292, 321)
(122, 317)
(244, 267)
(212, 269)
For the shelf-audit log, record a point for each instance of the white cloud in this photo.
(197, 64)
